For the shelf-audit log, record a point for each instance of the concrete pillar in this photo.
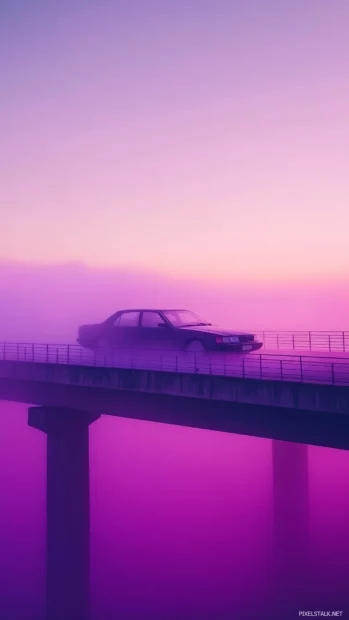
(291, 530)
(68, 509)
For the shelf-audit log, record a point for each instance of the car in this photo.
(163, 329)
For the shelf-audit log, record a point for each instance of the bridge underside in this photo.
(296, 425)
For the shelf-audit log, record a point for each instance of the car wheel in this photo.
(195, 346)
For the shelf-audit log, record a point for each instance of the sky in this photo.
(196, 139)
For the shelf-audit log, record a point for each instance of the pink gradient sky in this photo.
(199, 138)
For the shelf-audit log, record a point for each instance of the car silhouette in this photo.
(163, 329)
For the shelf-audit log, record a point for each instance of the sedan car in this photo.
(170, 329)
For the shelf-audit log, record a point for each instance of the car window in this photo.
(151, 319)
(181, 318)
(128, 319)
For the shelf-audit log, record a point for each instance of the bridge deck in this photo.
(286, 397)
(305, 367)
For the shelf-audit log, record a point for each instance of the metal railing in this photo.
(331, 341)
(281, 367)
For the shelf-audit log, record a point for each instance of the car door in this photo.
(155, 332)
(125, 330)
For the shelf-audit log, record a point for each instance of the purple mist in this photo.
(192, 154)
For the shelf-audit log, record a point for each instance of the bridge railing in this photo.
(292, 367)
(332, 341)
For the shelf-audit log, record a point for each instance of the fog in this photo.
(46, 303)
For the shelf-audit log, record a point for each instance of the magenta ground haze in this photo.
(180, 522)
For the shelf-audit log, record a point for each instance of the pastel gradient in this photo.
(192, 153)
(198, 138)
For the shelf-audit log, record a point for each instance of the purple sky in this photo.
(201, 138)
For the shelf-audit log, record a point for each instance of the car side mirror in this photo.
(162, 325)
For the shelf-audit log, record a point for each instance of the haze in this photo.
(198, 139)
(47, 302)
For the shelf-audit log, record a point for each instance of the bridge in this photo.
(298, 396)
(292, 395)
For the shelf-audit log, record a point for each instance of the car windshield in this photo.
(184, 318)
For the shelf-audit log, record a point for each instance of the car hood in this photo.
(215, 329)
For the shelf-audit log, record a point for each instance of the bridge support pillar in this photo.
(68, 509)
(291, 528)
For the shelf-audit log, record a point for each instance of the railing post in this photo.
(343, 338)
(243, 367)
(310, 341)
(293, 341)
(68, 353)
(277, 341)
(260, 367)
(281, 371)
(329, 342)
(57, 359)
(17, 352)
(332, 373)
(301, 366)
(4, 350)
(33, 353)
(47, 356)
(176, 363)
